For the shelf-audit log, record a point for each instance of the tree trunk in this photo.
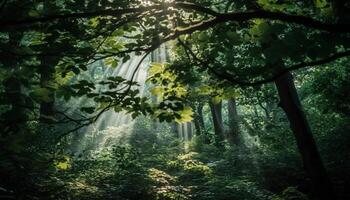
(217, 121)
(47, 68)
(198, 119)
(233, 132)
(200, 116)
(197, 127)
(46, 76)
(290, 103)
(174, 128)
(189, 130)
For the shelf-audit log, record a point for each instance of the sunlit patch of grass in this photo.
(160, 178)
(165, 186)
(81, 187)
(188, 156)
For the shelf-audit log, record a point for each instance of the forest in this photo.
(175, 99)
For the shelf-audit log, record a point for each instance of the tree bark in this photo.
(233, 132)
(217, 121)
(174, 128)
(290, 103)
(200, 116)
(47, 68)
(198, 119)
(197, 127)
(46, 76)
(189, 130)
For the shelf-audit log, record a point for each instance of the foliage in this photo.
(58, 82)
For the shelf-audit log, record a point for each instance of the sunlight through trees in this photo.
(174, 99)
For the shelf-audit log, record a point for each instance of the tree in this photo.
(268, 42)
(198, 118)
(216, 112)
(233, 120)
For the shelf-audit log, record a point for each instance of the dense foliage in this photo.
(173, 99)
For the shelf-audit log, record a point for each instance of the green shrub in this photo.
(291, 193)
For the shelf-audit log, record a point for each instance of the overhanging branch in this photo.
(217, 17)
(82, 15)
(230, 77)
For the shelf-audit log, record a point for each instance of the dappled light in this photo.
(174, 100)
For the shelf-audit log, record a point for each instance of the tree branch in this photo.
(217, 17)
(230, 77)
(83, 15)
(323, 61)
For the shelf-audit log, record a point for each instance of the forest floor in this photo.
(164, 175)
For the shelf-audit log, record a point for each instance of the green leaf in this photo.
(43, 94)
(33, 13)
(186, 115)
(217, 99)
(118, 108)
(88, 110)
(118, 32)
(94, 22)
(126, 58)
(156, 91)
(235, 38)
(112, 62)
(63, 164)
(134, 115)
(83, 67)
(230, 94)
(155, 68)
(76, 70)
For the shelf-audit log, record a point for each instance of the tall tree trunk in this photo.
(233, 132)
(47, 68)
(290, 103)
(200, 115)
(217, 121)
(198, 119)
(46, 76)
(197, 127)
(189, 130)
(174, 128)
